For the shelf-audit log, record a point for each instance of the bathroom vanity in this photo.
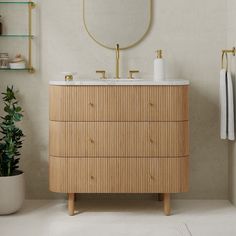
(119, 137)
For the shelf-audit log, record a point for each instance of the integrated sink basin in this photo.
(122, 81)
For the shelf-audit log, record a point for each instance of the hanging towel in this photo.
(223, 105)
(230, 106)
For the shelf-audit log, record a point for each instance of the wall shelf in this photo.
(25, 69)
(16, 36)
(25, 2)
(28, 36)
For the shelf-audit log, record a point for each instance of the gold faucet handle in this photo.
(131, 72)
(102, 72)
(68, 77)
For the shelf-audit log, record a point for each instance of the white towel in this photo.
(230, 105)
(223, 105)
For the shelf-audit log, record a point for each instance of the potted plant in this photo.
(12, 185)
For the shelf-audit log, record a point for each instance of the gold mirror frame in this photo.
(121, 48)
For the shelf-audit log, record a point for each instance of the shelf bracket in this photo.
(30, 7)
(33, 5)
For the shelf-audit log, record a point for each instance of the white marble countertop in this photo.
(119, 82)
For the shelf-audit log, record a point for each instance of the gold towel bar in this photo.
(225, 53)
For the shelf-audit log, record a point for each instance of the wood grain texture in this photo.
(118, 103)
(118, 175)
(119, 139)
(124, 139)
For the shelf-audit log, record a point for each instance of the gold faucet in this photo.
(117, 61)
(131, 72)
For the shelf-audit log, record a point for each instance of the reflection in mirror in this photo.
(123, 22)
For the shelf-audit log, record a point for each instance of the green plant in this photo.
(11, 140)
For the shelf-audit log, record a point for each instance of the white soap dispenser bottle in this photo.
(159, 70)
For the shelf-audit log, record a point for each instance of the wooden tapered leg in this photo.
(160, 197)
(71, 203)
(167, 209)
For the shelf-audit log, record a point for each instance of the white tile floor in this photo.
(42, 218)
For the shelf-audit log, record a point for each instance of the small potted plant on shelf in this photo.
(12, 185)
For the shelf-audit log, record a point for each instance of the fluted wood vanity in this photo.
(119, 138)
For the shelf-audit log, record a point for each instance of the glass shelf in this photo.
(16, 2)
(21, 3)
(16, 36)
(8, 69)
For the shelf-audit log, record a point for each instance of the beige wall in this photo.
(190, 32)
(231, 41)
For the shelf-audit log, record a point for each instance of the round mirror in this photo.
(112, 22)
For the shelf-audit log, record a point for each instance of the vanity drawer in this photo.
(123, 139)
(118, 175)
(118, 103)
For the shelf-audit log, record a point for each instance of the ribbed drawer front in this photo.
(118, 175)
(118, 103)
(123, 139)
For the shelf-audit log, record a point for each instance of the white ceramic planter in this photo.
(12, 193)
